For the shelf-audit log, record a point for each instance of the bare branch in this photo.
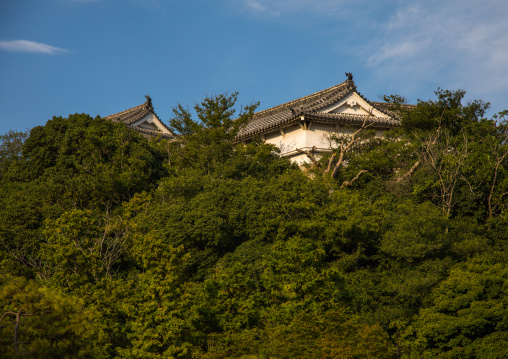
(311, 156)
(349, 183)
(330, 162)
(344, 149)
(408, 173)
(446, 156)
(496, 170)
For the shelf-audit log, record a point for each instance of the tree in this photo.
(113, 246)
(70, 163)
(458, 159)
(40, 321)
(208, 142)
(82, 248)
(156, 324)
(467, 318)
(10, 151)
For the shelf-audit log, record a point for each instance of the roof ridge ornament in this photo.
(148, 101)
(349, 82)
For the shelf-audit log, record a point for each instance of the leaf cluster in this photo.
(113, 246)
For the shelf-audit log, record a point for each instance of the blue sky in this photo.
(100, 57)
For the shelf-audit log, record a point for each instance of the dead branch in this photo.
(311, 156)
(345, 148)
(446, 157)
(408, 173)
(499, 160)
(349, 183)
(330, 162)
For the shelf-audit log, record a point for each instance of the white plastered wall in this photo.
(293, 137)
(313, 138)
(313, 135)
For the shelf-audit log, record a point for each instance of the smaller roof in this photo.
(317, 107)
(135, 117)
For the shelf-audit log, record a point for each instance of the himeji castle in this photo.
(300, 125)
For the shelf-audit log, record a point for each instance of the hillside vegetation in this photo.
(113, 246)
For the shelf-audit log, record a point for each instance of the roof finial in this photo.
(349, 76)
(148, 101)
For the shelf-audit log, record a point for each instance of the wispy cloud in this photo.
(258, 7)
(402, 50)
(464, 43)
(412, 43)
(255, 5)
(30, 46)
(281, 7)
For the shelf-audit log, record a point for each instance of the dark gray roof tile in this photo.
(309, 106)
(128, 117)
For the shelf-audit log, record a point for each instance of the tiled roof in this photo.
(386, 106)
(309, 106)
(130, 116)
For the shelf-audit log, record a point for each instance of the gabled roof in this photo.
(319, 106)
(143, 119)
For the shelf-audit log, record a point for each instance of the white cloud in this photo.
(403, 50)
(30, 46)
(280, 7)
(413, 44)
(462, 44)
(256, 6)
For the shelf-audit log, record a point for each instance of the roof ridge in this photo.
(289, 104)
(131, 115)
(329, 100)
(311, 105)
(148, 131)
(374, 119)
(407, 106)
(132, 109)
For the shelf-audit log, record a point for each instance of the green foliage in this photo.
(331, 334)
(41, 323)
(418, 232)
(81, 248)
(199, 247)
(71, 163)
(84, 162)
(446, 112)
(10, 151)
(207, 144)
(467, 318)
(155, 325)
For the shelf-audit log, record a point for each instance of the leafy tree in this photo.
(201, 247)
(208, 142)
(82, 248)
(467, 318)
(96, 162)
(71, 163)
(155, 323)
(10, 151)
(39, 322)
(331, 334)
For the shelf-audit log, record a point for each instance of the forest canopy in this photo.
(115, 246)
